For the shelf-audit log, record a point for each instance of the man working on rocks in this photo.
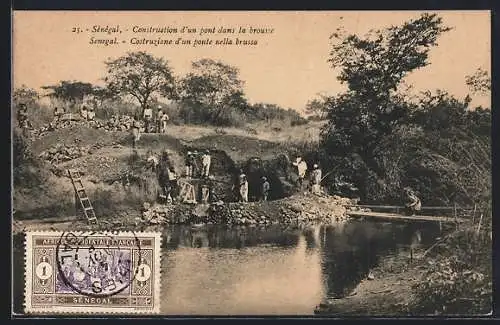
(190, 157)
(266, 187)
(206, 160)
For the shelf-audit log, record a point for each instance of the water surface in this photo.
(216, 270)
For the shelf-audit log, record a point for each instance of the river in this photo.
(216, 270)
(221, 270)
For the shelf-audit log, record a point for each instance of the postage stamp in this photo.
(92, 272)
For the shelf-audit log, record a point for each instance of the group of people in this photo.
(241, 188)
(158, 120)
(159, 124)
(87, 114)
(315, 175)
(192, 169)
(165, 171)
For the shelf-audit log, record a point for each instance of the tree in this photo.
(479, 82)
(70, 91)
(373, 67)
(140, 75)
(375, 64)
(214, 85)
(317, 107)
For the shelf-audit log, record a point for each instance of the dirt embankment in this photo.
(107, 167)
(386, 291)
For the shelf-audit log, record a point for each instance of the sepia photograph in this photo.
(251, 163)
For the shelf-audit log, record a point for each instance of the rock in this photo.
(370, 276)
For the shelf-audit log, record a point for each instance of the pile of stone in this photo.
(166, 213)
(61, 152)
(293, 210)
(115, 123)
(119, 123)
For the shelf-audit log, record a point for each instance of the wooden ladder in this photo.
(80, 192)
(187, 192)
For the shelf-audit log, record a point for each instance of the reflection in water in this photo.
(250, 270)
(272, 270)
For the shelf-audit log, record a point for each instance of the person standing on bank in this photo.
(206, 160)
(301, 170)
(243, 188)
(91, 114)
(316, 175)
(84, 112)
(266, 187)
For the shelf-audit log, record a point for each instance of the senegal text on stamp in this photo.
(92, 272)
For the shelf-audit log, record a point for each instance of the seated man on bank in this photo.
(412, 204)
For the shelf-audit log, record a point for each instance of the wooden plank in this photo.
(401, 207)
(394, 216)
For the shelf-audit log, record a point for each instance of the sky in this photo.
(287, 67)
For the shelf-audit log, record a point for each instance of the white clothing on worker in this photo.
(154, 159)
(90, 115)
(206, 159)
(171, 175)
(302, 168)
(148, 113)
(244, 191)
(84, 113)
(164, 119)
(316, 176)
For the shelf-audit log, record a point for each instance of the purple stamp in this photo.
(92, 272)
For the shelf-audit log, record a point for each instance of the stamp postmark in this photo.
(92, 272)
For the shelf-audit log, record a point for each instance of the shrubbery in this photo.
(459, 281)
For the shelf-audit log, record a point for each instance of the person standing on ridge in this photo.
(163, 122)
(148, 117)
(158, 119)
(136, 133)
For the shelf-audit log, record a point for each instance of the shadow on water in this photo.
(221, 270)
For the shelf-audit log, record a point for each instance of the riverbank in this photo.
(386, 291)
(299, 208)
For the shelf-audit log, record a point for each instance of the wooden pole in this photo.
(479, 225)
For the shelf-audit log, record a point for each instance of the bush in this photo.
(460, 281)
(28, 171)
